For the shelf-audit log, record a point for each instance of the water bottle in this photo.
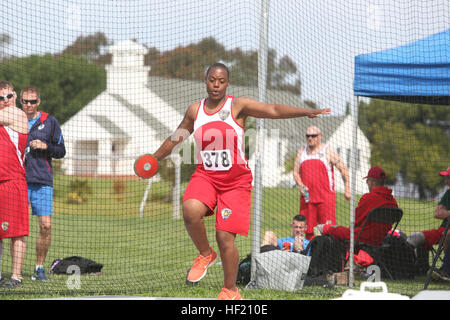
(306, 194)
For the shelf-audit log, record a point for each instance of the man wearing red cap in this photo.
(428, 238)
(378, 196)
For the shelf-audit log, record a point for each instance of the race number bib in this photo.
(217, 160)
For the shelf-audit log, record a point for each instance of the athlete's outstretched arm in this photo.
(253, 108)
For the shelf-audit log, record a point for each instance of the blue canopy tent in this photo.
(417, 72)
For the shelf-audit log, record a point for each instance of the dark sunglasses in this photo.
(30, 101)
(311, 135)
(8, 96)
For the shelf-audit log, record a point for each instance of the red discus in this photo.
(146, 166)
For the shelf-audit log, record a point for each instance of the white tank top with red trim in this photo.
(220, 141)
(318, 165)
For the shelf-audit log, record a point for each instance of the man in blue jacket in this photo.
(45, 142)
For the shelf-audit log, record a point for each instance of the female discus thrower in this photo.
(222, 180)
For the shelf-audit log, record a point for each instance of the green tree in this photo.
(189, 63)
(348, 110)
(66, 83)
(90, 46)
(408, 139)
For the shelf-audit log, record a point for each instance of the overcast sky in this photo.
(321, 36)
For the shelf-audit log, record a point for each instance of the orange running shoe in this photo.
(227, 294)
(200, 266)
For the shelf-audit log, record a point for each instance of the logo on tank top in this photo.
(223, 114)
(5, 226)
(226, 213)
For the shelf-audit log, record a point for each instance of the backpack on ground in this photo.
(66, 265)
(398, 257)
(327, 256)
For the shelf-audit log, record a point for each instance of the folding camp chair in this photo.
(434, 248)
(384, 215)
(437, 255)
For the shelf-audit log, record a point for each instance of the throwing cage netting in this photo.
(119, 75)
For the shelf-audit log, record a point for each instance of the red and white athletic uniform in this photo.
(13, 186)
(222, 178)
(318, 175)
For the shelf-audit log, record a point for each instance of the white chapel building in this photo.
(123, 122)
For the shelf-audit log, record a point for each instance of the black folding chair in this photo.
(434, 251)
(385, 215)
(436, 255)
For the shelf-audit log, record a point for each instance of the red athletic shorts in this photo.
(13, 209)
(232, 206)
(433, 236)
(318, 213)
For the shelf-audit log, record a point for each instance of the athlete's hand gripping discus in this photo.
(146, 166)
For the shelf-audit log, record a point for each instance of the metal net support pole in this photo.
(353, 189)
(176, 207)
(259, 150)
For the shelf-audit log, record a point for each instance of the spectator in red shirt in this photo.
(378, 196)
(14, 224)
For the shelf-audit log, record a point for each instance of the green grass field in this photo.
(150, 256)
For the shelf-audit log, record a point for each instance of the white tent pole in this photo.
(176, 158)
(144, 199)
(353, 187)
(259, 150)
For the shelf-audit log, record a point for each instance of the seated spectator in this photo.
(296, 242)
(378, 196)
(428, 238)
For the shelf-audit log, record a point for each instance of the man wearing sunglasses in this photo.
(314, 174)
(14, 223)
(45, 142)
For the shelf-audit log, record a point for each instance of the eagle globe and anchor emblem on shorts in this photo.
(226, 213)
(5, 226)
